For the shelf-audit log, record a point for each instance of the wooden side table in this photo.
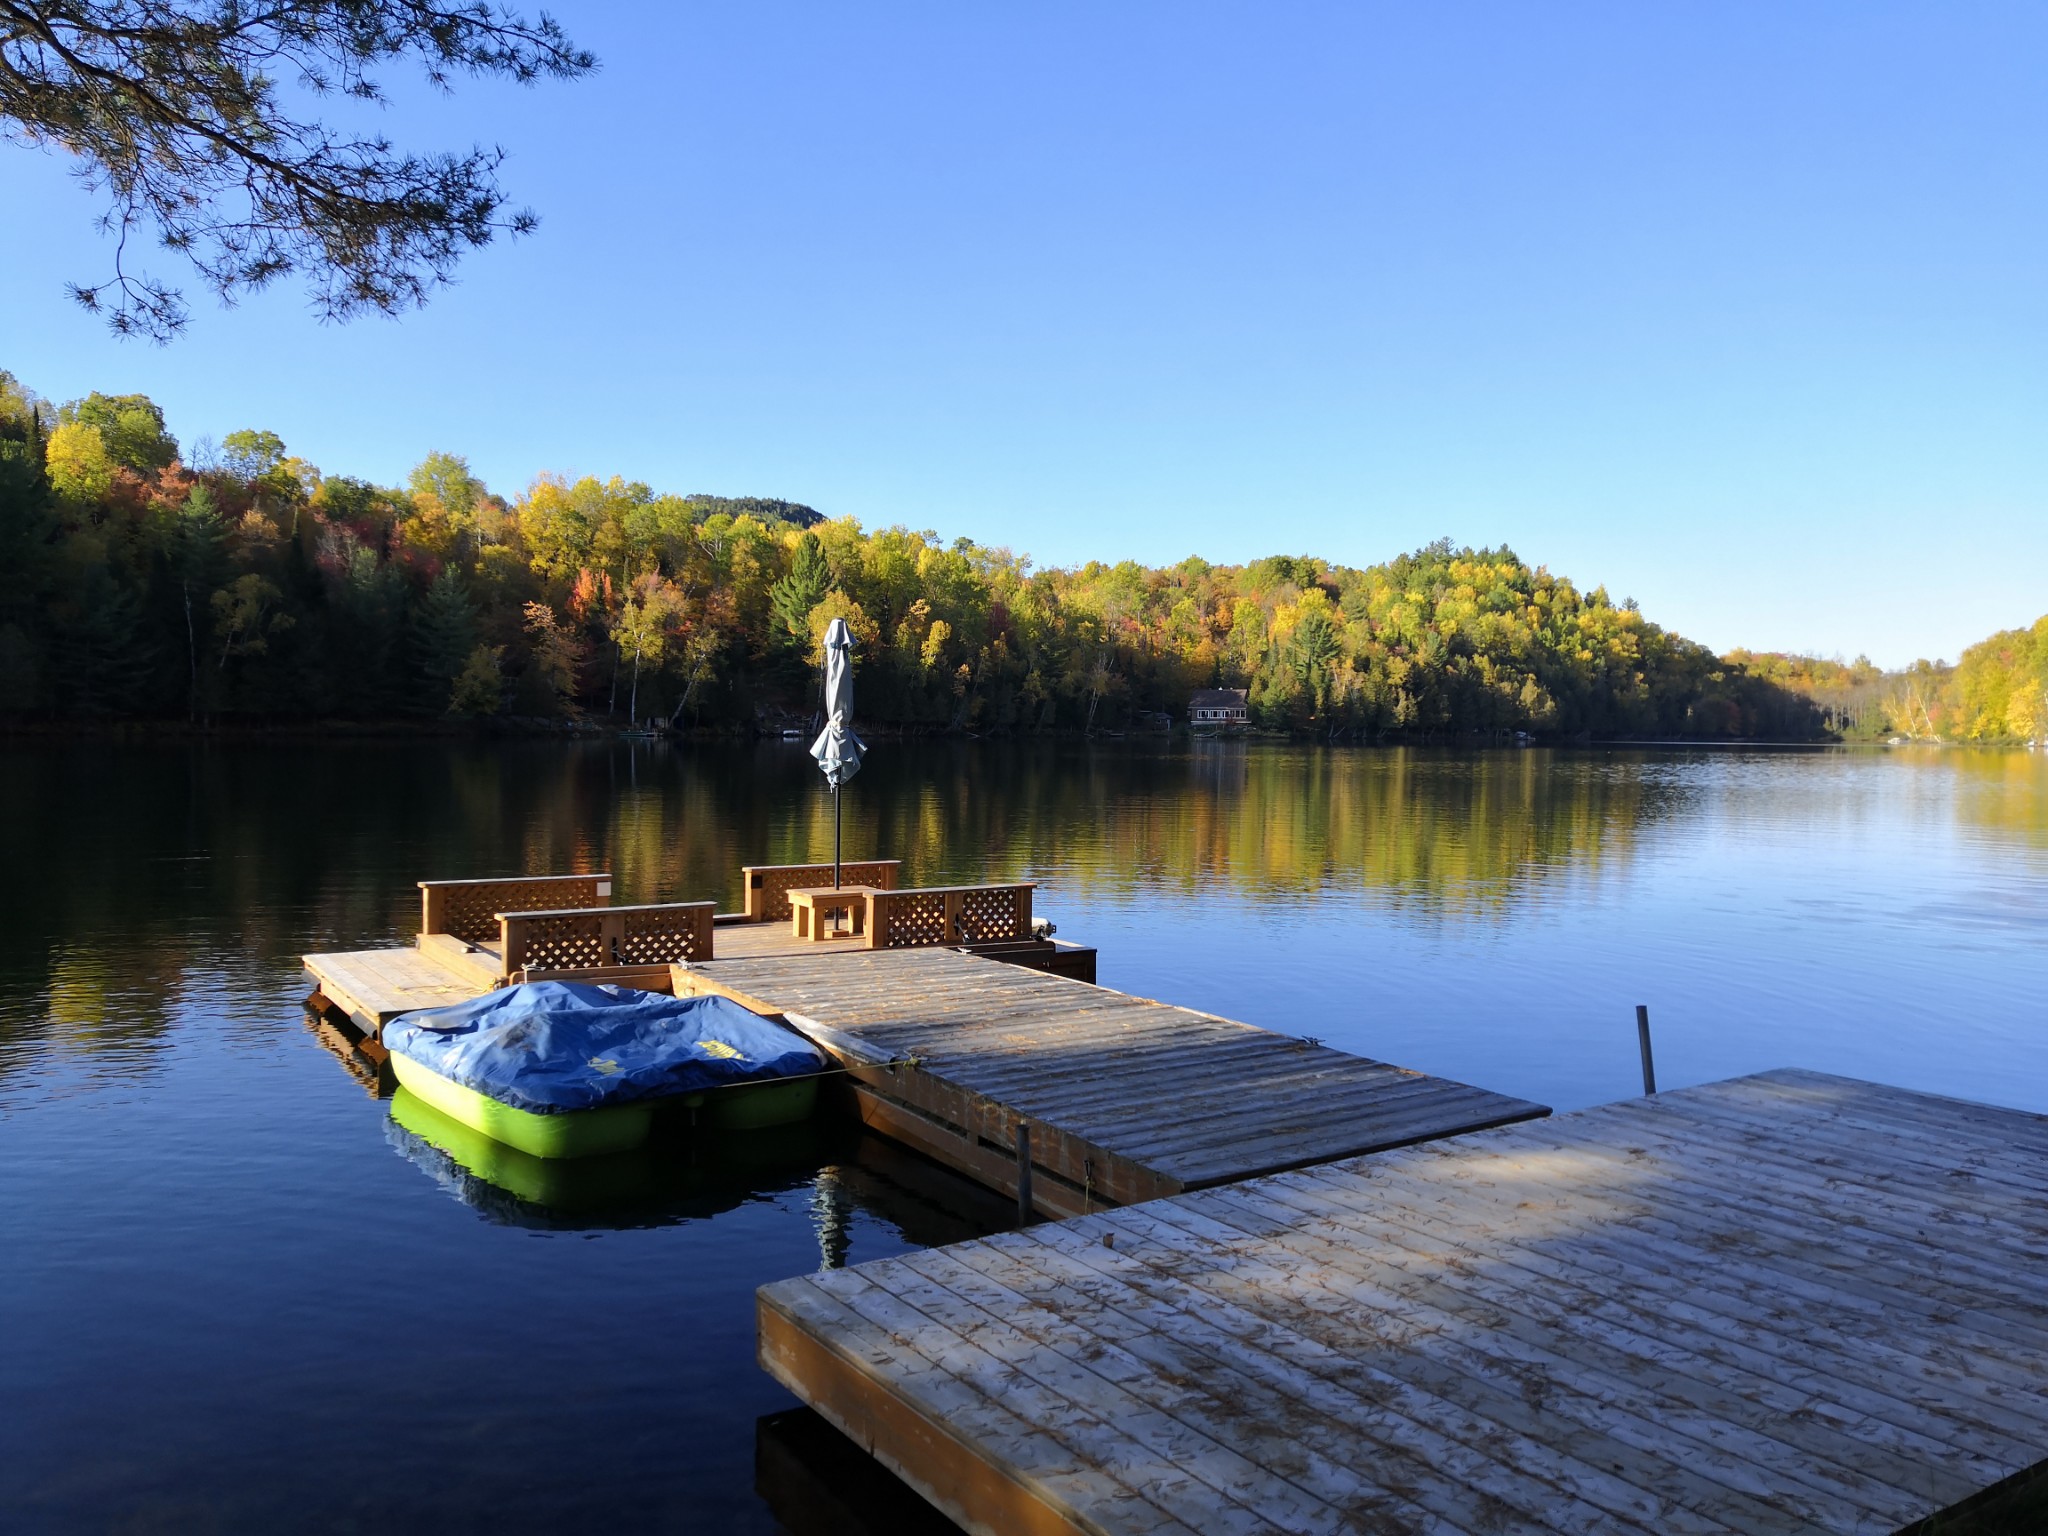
(809, 906)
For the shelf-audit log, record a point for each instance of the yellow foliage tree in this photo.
(76, 460)
(480, 690)
(867, 635)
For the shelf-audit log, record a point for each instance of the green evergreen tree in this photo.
(1317, 643)
(104, 660)
(793, 597)
(443, 639)
(195, 562)
(367, 631)
(28, 527)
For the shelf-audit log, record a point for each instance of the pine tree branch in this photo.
(170, 109)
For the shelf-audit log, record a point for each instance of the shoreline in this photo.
(534, 728)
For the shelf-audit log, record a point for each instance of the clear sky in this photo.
(1738, 310)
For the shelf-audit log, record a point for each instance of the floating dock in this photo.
(1785, 1303)
(964, 1032)
(1119, 1098)
(477, 935)
(374, 986)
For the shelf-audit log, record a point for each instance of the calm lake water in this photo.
(236, 1295)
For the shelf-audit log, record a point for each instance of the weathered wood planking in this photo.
(751, 941)
(1784, 1303)
(374, 986)
(1127, 1099)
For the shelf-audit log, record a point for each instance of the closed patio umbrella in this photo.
(837, 749)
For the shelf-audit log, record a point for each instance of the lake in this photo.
(235, 1295)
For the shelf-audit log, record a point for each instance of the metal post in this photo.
(835, 783)
(1023, 1170)
(1643, 1038)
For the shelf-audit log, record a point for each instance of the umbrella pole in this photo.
(835, 837)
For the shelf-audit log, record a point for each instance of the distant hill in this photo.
(794, 513)
(247, 584)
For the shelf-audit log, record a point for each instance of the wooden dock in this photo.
(374, 986)
(478, 935)
(1123, 1099)
(1785, 1303)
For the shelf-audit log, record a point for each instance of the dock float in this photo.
(1790, 1302)
(1114, 1099)
(478, 935)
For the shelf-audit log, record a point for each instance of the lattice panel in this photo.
(776, 884)
(661, 938)
(470, 908)
(770, 904)
(990, 913)
(913, 918)
(563, 941)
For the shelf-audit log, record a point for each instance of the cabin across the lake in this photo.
(1212, 707)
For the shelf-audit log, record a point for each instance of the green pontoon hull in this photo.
(553, 1182)
(615, 1128)
(755, 1106)
(574, 1133)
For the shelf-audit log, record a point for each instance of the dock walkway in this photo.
(1125, 1099)
(374, 986)
(1785, 1303)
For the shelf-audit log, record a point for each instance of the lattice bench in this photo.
(469, 909)
(949, 914)
(583, 939)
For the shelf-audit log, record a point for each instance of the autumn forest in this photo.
(234, 582)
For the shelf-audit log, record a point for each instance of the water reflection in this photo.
(185, 1172)
(1999, 795)
(200, 871)
(346, 1044)
(674, 1178)
(680, 1176)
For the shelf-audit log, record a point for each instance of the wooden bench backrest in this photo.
(949, 914)
(768, 885)
(591, 938)
(469, 908)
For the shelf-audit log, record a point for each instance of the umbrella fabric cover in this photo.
(551, 1046)
(837, 749)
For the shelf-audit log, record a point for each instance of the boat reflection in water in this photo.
(683, 1176)
(673, 1178)
(812, 1478)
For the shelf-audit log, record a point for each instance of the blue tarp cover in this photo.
(551, 1046)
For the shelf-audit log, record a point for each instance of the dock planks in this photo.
(374, 986)
(1127, 1099)
(1789, 1302)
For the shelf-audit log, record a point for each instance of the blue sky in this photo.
(1738, 310)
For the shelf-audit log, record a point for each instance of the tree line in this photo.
(239, 582)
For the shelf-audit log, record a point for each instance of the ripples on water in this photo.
(239, 1295)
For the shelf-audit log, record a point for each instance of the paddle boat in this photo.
(563, 1069)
